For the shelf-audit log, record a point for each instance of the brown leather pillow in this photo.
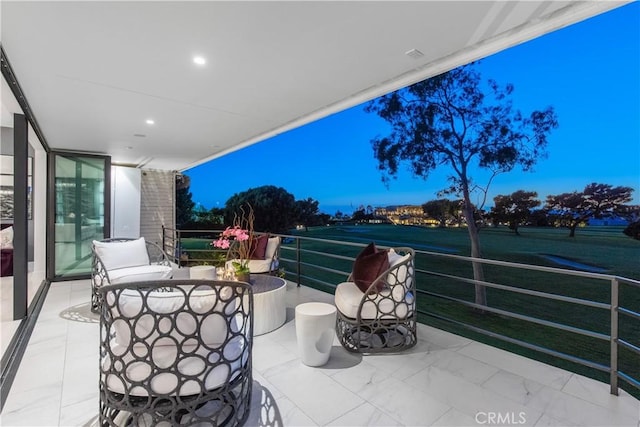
(369, 264)
(259, 247)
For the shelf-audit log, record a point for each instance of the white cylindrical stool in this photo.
(207, 272)
(315, 330)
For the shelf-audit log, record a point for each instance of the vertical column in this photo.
(20, 220)
(77, 209)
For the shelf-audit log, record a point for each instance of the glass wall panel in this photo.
(79, 211)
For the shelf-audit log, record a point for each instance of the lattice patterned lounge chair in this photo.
(382, 318)
(175, 352)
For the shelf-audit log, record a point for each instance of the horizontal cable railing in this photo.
(324, 263)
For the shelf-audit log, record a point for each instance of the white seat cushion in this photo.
(140, 273)
(348, 297)
(262, 265)
(257, 265)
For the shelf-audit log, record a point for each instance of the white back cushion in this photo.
(399, 275)
(116, 255)
(204, 304)
(272, 245)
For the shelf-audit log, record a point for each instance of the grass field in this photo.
(200, 251)
(603, 248)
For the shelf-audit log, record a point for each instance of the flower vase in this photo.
(243, 277)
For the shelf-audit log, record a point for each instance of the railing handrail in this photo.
(510, 264)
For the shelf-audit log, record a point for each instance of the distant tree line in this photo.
(275, 209)
(569, 210)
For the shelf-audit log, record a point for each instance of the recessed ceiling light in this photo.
(199, 60)
(150, 121)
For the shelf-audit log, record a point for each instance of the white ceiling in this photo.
(93, 72)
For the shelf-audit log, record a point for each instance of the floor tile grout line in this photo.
(64, 359)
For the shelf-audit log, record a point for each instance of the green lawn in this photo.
(200, 251)
(603, 247)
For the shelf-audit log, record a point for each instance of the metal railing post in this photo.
(298, 259)
(613, 381)
(177, 246)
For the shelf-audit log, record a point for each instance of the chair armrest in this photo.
(156, 254)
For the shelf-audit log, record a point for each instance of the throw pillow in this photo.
(259, 247)
(6, 238)
(369, 264)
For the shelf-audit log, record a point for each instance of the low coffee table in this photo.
(269, 303)
(269, 300)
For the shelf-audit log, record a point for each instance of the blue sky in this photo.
(589, 72)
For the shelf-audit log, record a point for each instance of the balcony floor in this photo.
(446, 380)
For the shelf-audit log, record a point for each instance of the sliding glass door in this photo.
(80, 202)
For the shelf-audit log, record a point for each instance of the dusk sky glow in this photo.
(589, 72)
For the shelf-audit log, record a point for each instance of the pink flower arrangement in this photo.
(242, 234)
(230, 234)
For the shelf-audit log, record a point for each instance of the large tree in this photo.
(454, 120)
(632, 214)
(633, 230)
(307, 212)
(514, 208)
(595, 201)
(184, 201)
(208, 218)
(274, 208)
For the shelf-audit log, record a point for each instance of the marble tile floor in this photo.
(8, 326)
(446, 380)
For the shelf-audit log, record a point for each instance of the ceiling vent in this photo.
(414, 53)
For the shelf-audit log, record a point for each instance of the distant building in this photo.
(405, 215)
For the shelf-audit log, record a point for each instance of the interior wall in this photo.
(157, 203)
(125, 201)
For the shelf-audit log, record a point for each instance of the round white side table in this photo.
(269, 303)
(315, 330)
